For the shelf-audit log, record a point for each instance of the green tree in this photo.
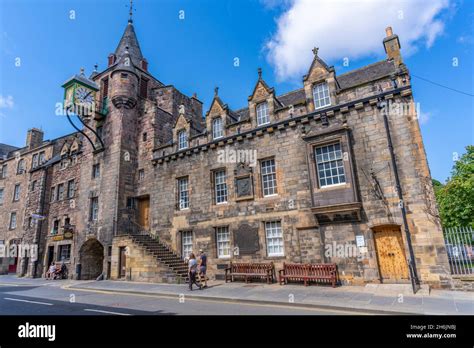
(456, 198)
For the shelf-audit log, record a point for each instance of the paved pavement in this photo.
(373, 298)
(40, 297)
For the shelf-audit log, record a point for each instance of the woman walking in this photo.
(192, 269)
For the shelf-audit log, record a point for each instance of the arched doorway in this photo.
(390, 251)
(91, 255)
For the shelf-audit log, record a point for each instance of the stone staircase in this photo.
(162, 254)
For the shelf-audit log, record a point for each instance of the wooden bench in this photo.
(249, 271)
(324, 272)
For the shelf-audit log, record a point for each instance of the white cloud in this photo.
(6, 102)
(349, 28)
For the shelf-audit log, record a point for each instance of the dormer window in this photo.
(217, 131)
(262, 114)
(182, 140)
(321, 95)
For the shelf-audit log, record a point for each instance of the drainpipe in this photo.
(39, 227)
(415, 282)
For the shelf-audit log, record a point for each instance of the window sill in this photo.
(322, 107)
(333, 186)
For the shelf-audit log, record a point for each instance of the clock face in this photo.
(83, 95)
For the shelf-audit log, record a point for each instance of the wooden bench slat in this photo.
(309, 272)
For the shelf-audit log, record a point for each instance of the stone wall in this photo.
(140, 265)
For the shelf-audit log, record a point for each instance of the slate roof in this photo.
(366, 74)
(6, 149)
(293, 97)
(129, 39)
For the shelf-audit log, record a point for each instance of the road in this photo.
(50, 298)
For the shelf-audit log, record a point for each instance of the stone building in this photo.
(305, 176)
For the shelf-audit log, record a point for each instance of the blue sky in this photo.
(197, 53)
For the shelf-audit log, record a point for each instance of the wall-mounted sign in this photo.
(58, 238)
(360, 241)
(67, 235)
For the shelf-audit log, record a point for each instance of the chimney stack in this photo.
(392, 46)
(34, 138)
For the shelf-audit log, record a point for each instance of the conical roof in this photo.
(129, 39)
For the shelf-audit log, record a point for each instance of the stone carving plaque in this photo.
(246, 238)
(243, 181)
(243, 186)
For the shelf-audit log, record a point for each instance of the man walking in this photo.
(202, 267)
(192, 265)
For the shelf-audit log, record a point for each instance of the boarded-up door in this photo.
(391, 253)
(144, 212)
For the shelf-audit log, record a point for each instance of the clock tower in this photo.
(108, 173)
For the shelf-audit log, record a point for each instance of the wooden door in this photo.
(391, 253)
(122, 263)
(144, 212)
(12, 264)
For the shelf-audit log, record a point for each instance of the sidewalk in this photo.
(390, 299)
(373, 298)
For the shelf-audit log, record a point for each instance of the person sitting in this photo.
(57, 272)
(51, 271)
(63, 270)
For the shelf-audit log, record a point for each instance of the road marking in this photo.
(106, 312)
(173, 297)
(8, 284)
(19, 300)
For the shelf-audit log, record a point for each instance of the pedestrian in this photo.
(51, 270)
(202, 268)
(192, 268)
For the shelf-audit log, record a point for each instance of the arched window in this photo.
(321, 95)
(182, 140)
(262, 114)
(217, 131)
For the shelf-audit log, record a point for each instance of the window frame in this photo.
(220, 189)
(60, 193)
(258, 112)
(183, 142)
(20, 169)
(330, 161)
(55, 227)
(71, 186)
(180, 192)
(96, 171)
(60, 252)
(325, 88)
(16, 192)
(141, 174)
(35, 161)
(264, 177)
(94, 209)
(221, 128)
(189, 236)
(3, 172)
(12, 226)
(274, 226)
(219, 231)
